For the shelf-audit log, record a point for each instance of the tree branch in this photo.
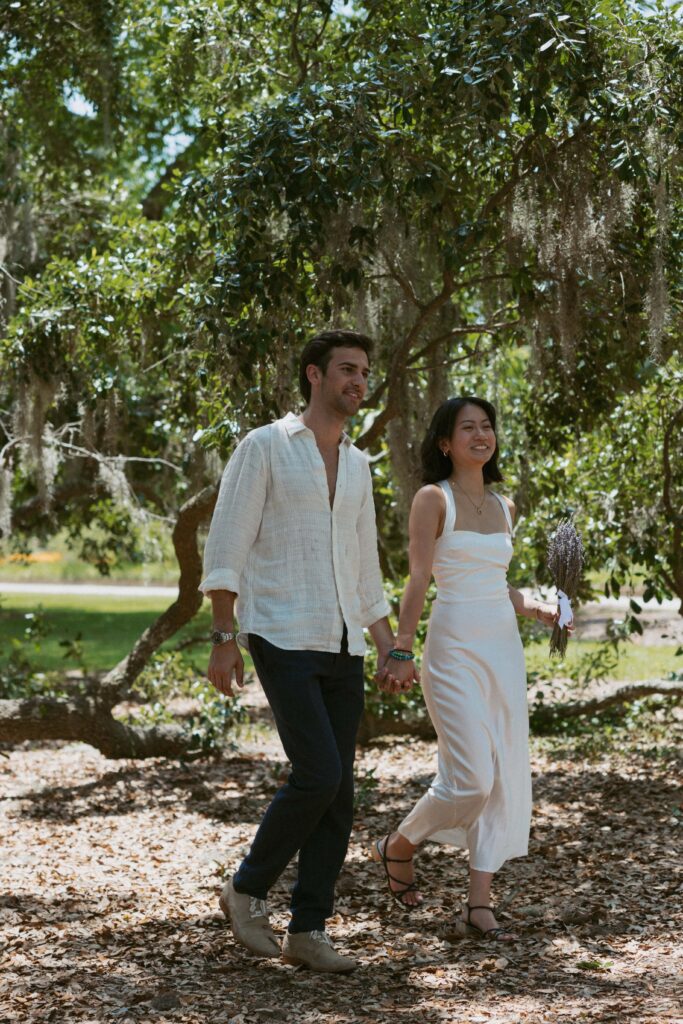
(301, 63)
(91, 453)
(398, 361)
(458, 331)
(674, 513)
(373, 725)
(542, 716)
(428, 349)
(192, 514)
(374, 398)
(405, 283)
(88, 717)
(319, 35)
(88, 720)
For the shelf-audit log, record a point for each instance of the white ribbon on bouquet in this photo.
(566, 613)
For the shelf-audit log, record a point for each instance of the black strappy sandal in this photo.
(465, 928)
(380, 857)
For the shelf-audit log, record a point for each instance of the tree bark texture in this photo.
(87, 720)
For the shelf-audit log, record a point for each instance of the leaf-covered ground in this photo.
(111, 870)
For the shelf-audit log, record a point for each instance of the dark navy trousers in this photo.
(317, 701)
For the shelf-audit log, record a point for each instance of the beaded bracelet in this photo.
(398, 655)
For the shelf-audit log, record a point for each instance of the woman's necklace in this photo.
(477, 508)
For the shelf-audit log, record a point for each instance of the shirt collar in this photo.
(293, 425)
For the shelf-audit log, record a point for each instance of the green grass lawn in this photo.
(72, 570)
(110, 625)
(636, 662)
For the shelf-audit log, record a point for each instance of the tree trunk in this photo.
(88, 720)
(672, 506)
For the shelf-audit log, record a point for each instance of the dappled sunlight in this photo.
(113, 869)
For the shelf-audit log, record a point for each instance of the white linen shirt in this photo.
(300, 568)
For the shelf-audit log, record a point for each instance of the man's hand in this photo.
(394, 676)
(387, 677)
(225, 660)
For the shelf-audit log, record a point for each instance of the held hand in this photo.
(225, 660)
(383, 676)
(397, 676)
(382, 667)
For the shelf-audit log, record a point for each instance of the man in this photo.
(293, 538)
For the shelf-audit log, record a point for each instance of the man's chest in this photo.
(330, 459)
(303, 477)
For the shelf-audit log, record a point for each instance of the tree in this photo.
(638, 515)
(481, 186)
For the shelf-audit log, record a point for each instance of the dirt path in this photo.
(111, 871)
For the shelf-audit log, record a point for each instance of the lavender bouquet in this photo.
(565, 562)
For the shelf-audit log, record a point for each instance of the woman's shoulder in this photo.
(429, 507)
(429, 496)
(428, 511)
(509, 502)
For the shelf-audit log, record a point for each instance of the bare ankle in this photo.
(400, 846)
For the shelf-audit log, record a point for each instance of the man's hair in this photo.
(318, 352)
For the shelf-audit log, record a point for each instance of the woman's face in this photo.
(473, 441)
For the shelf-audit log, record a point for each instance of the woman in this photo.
(473, 672)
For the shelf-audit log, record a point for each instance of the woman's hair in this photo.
(437, 466)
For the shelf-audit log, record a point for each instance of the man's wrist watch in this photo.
(218, 637)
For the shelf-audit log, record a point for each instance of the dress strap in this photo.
(449, 523)
(506, 510)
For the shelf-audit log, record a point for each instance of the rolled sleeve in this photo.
(220, 579)
(373, 603)
(236, 519)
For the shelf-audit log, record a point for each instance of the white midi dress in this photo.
(474, 683)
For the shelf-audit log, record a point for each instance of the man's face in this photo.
(345, 381)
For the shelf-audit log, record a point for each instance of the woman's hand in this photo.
(394, 676)
(548, 614)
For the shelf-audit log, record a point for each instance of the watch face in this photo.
(219, 637)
